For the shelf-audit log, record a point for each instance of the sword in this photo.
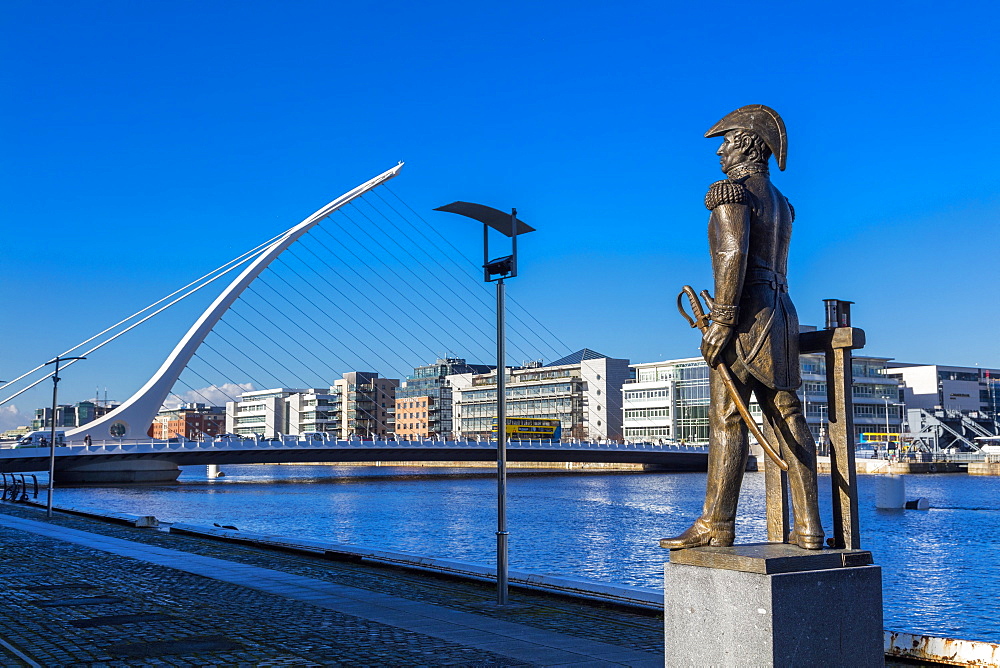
(701, 321)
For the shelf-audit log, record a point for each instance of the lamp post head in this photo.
(501, 221)
(506, 224)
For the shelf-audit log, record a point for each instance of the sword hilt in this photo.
(700, 320)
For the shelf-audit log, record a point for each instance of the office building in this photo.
(71, 415)
(367, 404)
(582, 390)
(359, 404)
(260, 412)
(669, 400)
(971, 390)
(424, 402)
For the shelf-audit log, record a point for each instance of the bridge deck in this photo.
(669, 457)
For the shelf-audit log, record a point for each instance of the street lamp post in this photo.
(823, 409)
(899, 439)
(52, 435)
(886, 399)
(495, 271)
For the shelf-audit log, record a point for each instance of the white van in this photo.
(314, 436)
(40, 439)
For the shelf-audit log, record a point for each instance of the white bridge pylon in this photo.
(133, 418)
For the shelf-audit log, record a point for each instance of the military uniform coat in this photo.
(749, 232)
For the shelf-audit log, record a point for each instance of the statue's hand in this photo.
(714, 339)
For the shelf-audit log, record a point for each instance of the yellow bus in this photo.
(524, 429)
(880, 437)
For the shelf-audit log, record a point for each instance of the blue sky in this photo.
(148, 142)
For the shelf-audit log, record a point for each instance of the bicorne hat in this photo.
(760, 120)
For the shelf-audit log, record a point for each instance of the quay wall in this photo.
(568, 466)
(886, 467)
(984, 468)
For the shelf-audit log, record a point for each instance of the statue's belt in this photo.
(701, 321)
(761, 276)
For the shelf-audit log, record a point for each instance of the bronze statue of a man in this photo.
(754, 331)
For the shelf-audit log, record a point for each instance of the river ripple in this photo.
(940, 567)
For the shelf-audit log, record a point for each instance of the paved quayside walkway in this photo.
(78, 591)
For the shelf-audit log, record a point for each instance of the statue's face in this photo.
(729, 152)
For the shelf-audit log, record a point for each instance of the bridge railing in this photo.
(116, 446)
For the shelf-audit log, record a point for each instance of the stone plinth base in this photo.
(772, 605)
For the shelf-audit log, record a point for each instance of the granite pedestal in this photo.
(772, 604)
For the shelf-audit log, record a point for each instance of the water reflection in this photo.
(939, 566)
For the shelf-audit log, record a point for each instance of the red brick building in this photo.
(191, 421)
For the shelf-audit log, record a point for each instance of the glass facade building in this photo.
(424, 402)
(668, 401)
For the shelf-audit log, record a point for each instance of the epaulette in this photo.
(726, 192)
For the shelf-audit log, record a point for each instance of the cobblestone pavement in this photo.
(67, 604)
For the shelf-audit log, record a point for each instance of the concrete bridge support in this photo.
(127, 471)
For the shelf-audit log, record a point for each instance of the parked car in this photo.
(40, 439)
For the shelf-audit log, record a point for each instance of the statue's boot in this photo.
(699, 534)
(805, 540)
(727, 458)
(808, 530)
(801, 458)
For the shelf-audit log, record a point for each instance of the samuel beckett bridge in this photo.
(365, 282)
(157, 461)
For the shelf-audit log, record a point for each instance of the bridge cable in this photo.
(403, 295)
(321, 360)
(303, 329)
(112, 338)
(313, 320)
(480, 295)
(353, 303)
(294, 375)
(307, 333)
(216, 370)
(324, 362)
(589, 394)
(434, 306)
(370, 285)
(240, 260)
(239, 369)
(340, 308)
(475, 266)
(305, 385)
(484, 332)
(420, 263)
(426, 284)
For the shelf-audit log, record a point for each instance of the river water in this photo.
(941, 567)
